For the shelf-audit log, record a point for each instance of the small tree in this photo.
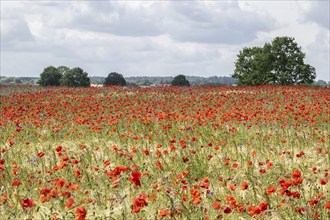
(18, 81)
(75, 77)
(180, 80)
(115, 79)
(321, 82)
(50, 77)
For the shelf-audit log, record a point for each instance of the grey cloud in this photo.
(15, 35)
(318, 13)
(201, 22)
(318, 54)
(114, 18)
(224, 23)
(15, 30)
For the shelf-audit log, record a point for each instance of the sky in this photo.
(155, 38)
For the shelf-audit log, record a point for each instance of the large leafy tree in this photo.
(115, 79)
(281, 63)
(180, 80)
(50, 77)
(75, 77)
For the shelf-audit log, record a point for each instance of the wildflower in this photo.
(196, 201)
(296, 174)
(216, 204)
(69, 203)
(313, 202)
(205, 183)
(138, 203)
(159, 165)
(254, 210)
(263, 206)
(232, 187)
(16, 182)
(324, 181)
(77, 173)
(327, 205)
(195, 193)
(227, 210)
(34, 160)
(270, 190)
(106, 163)
(27, 203)
(4, 198)
(135, 178)
(164, 213)
(80, 213)
(60, 183)
(59, 148)
(244, 186)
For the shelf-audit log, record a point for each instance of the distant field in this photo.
(164, 153)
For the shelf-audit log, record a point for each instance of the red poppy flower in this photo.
(327, 205)
(69, 203)
(296, 174)
(270, 190)
(195, 193)
(135, 178)
(16, 182)
(216, 204)
(138, 203)
(227, 210)
(106, 163)
(254, 210)
(77, 173)
(324, 181)
(164, 213)
(27, 203)
(80, 213)
(244, 186)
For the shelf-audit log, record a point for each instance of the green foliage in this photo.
(180, 80)
(50, 77)
(75, 77)
(63, 69)
(279, 63)
(115, 79)
(321, 83)
(18, 80)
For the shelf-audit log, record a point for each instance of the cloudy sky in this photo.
(155, 38)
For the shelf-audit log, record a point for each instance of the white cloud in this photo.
(149, 38)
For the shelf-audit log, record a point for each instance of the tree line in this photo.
(133, 80)
(77, 77)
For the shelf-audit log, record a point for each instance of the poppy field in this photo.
(165, 152)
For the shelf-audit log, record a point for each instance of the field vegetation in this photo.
(164, 152)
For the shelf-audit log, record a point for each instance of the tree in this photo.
(115, 79)
(251, 68)
(50, 77)
(75, 77)
(281, 63)
(180, 80)
(321, 82)
(18, 81)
